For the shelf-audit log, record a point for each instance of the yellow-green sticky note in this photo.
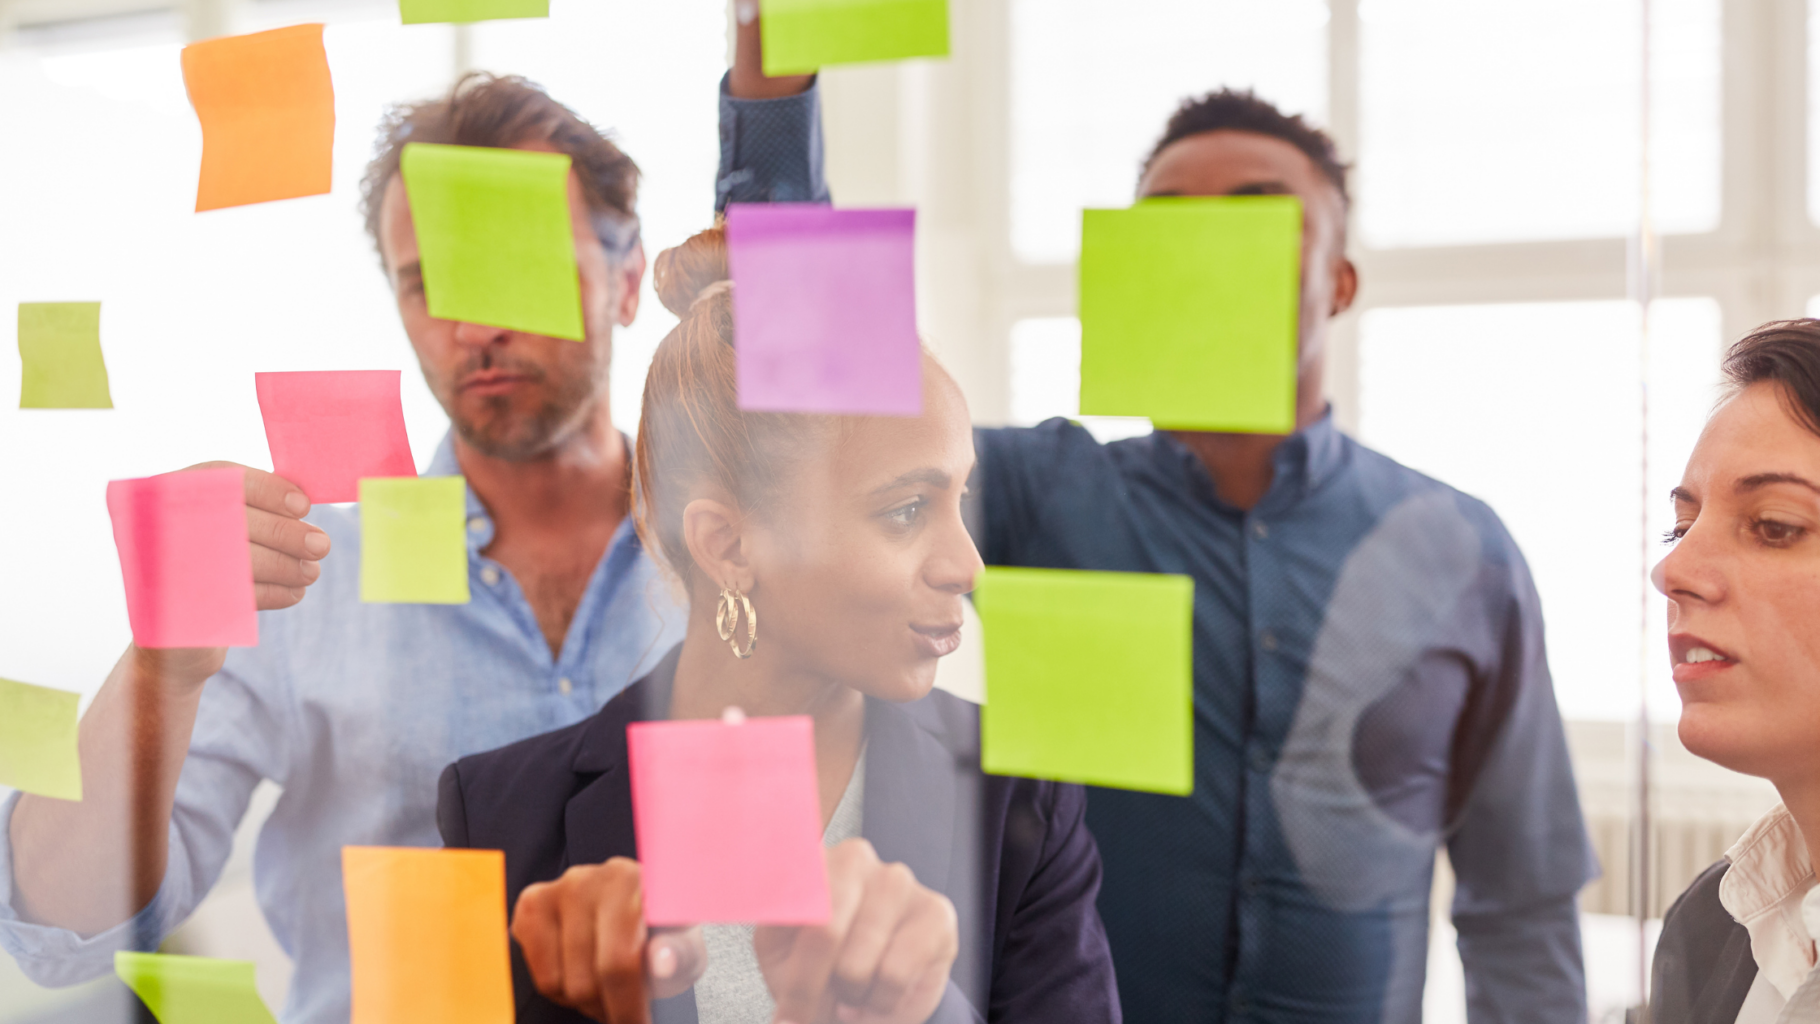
(1188, 312)
(413, 548)
(38, 740)
(194, 989)
(800, 36)
(418, 12)
(60, 349)
(1089, 677)
(494, 236)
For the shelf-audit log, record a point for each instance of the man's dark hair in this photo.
(1786, 352)
(1242, 111)
(503, 111)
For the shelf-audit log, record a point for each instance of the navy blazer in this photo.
(1023, 878)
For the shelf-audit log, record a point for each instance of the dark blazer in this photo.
(1703, 966)
(1013, 854)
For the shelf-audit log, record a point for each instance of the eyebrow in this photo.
(410, 270)
(932, 477)
(1751, 483)
(1250, 188)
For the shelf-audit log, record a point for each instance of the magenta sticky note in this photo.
(728, 819)
(824, 308)
(328, 429)
(184, 558)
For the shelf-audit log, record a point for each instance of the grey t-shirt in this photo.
(732, 989)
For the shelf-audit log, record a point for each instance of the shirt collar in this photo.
(479, 520)
(1764, 889)
(1304, 461)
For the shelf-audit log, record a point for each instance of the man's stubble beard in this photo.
(500, 433)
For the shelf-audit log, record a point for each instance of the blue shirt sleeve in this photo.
(770, 150)
(1519, 849)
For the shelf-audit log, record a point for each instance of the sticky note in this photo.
(1089, 676)
(267, 109)
(728, 818)
(185, 558)
(800, 36)
(194, 989)
(427, 935)
(60, 356)
(417, 12)
(494, 236)
(1188, 312)
(329, 428)
(413, 543)
(38, 740)
(824, 307)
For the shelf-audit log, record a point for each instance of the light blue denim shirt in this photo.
(355, 709)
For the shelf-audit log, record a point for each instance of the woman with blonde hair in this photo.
(956, 896)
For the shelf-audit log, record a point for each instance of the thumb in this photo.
(675, 959)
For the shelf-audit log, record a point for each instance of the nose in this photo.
(955, 563)
(478, 334)
(1693, 571)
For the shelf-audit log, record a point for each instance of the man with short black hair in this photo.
(1370, 682)
(354, 708)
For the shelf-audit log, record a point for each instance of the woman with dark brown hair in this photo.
(1743, 587)
(956, 896)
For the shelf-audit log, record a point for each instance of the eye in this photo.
(908, 514)
(1775, 533)
(1679, 531)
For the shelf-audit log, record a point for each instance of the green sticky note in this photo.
(418, 12)
(38, 740)
(1188, 312)
(194, 989)
(494, 236)
(60, 347)
(1089, 677)
(413, 545)
(801, 36)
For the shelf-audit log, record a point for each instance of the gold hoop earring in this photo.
(726, 621)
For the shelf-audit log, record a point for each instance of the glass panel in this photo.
(1496, 122)
(1093, 83)
(1046, 379)
(648, 73)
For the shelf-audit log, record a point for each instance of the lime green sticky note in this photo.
(38, 740)
(418, 12)
(1089, 677)
(1188, 312)
(194, 989)
(800, 36)
(494, 236)
(60, 347)
(413, 549)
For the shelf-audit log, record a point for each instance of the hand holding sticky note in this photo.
(60, 356)
(1089, 677)
(495, 238)
(267, 108)
(824, 306)
(418, 12)
(328, 429)
(728, 817)
(38, 741)
(185, 558)
(802, 36)
(1189, 310)
(194, 989)
(413, 541)
(427, 935)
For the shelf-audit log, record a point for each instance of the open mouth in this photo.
(940, 640)
(1695, 658)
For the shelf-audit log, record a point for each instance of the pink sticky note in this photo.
(728, 818)
(330, 428)
(184, 558)
(824, 303)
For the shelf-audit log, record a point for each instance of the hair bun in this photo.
(684, 272)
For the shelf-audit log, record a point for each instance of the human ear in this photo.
(1345, 286)
(631, 274)
(715, 534)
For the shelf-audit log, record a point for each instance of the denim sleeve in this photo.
(235, 743)
(770, 150)
(1520, 850)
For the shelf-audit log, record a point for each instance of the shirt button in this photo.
(564, 685)
(1253, 886)
(490, 576)
(1260, 530)
(476, 524)
(1269, 640)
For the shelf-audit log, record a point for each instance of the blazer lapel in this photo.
(910, 794)
(597, 821)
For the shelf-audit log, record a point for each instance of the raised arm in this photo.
(89, 866)
(770, 129)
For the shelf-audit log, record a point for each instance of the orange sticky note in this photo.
(267, 109)
(427, 935)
